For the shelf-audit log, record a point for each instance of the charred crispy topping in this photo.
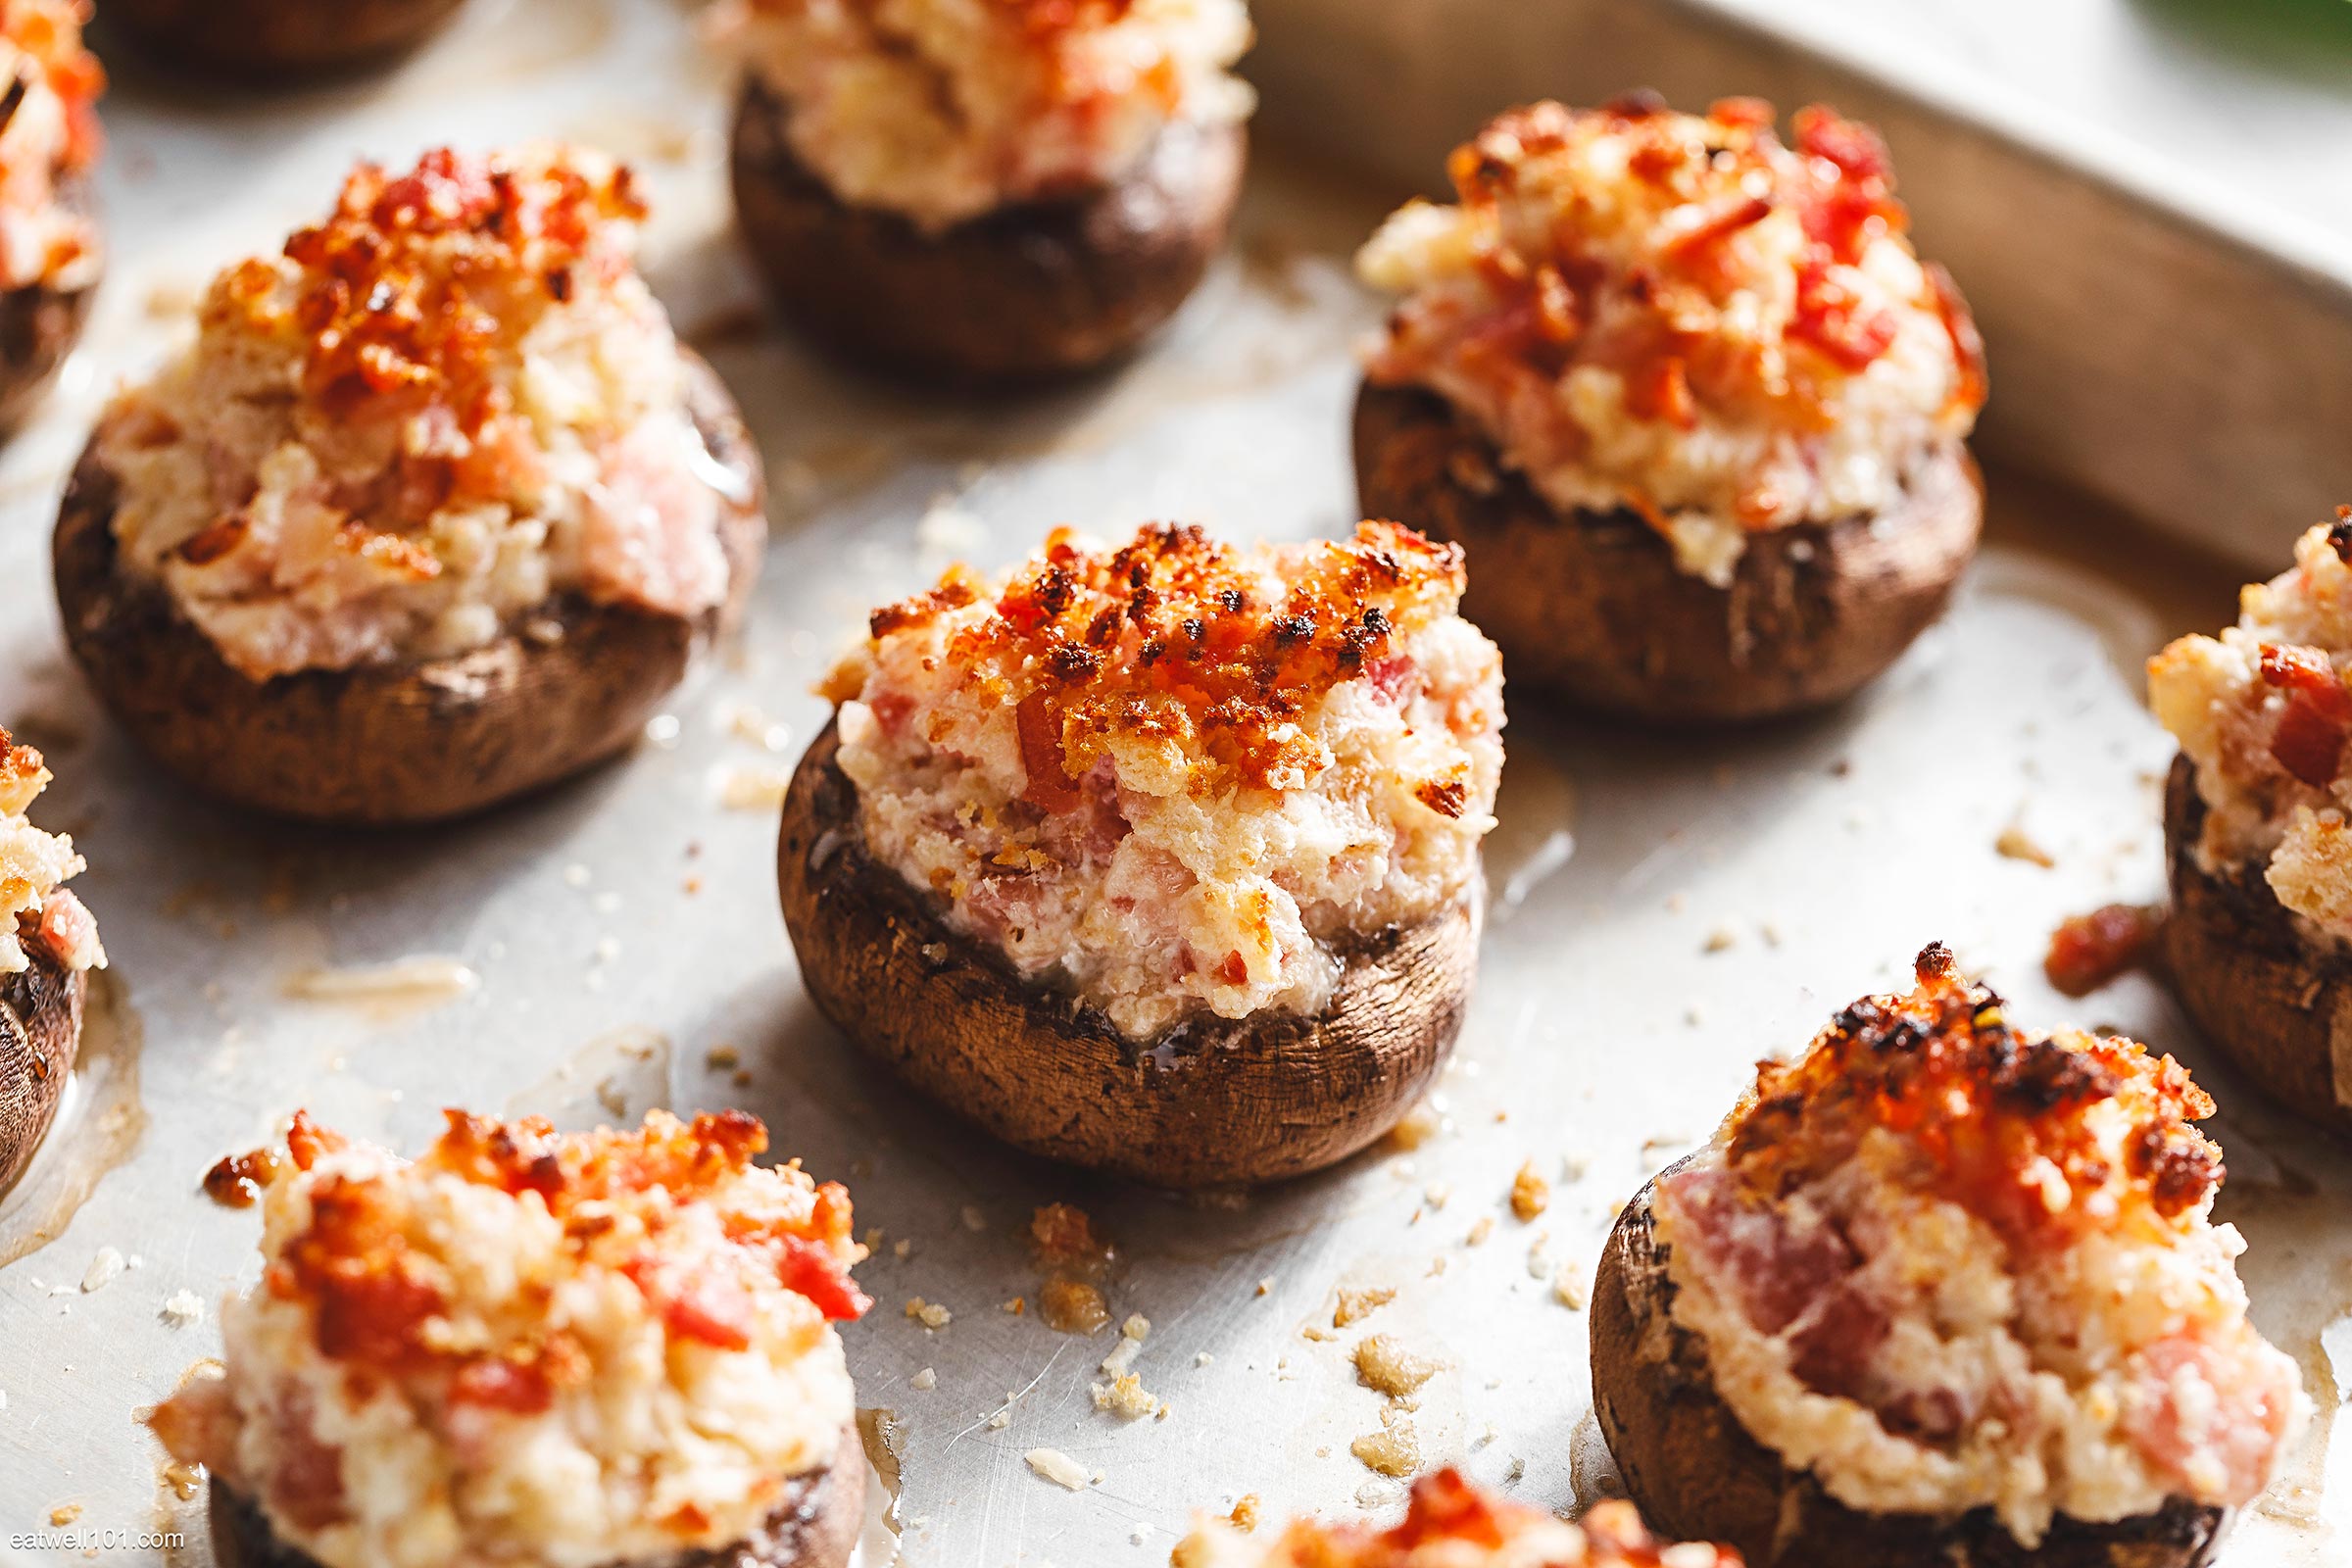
(375, 1297)
(1450, 1523)
(2001, 1123)
(408, 288)
(1176, 636)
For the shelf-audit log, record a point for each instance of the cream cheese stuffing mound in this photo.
(1176, 776)
(49, 139)
(1680, 315)
(1945, 1265)
(35, 905)
(2264, 713)
(525, 1348)
(944, 110)
(398, 439)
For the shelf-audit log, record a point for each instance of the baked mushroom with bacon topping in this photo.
(278, 42)
(1688, 399)
(50, 251)
(1450, 1523)
(434, 512)
(48, 945)
(2259, 942)
(993, 190)
(1162, 859)
(537, 1349)
(1942, 1290)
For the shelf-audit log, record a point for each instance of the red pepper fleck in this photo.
(811, 1271)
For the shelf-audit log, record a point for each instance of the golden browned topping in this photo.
(2006, 1125)
(407, 288)
(1178, 637)
(373, 1297)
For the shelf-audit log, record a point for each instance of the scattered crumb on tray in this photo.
(1360, 1303)
(182, 1307)
(2016, 844)
(1530, 1194)
(106, 1266)
(1386, 1366)
(930, 1314)
(1058, 1467)
(1395, 1449)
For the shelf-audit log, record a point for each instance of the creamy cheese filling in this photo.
(1914, 1361)
(945, 110)
(2263, 713)
(1676, 314)
(1163, 887)
(34, 865)
(522, 435)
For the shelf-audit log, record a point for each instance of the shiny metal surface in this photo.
(1665, 911)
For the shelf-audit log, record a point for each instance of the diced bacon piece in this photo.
(2088, 951)
(69, 931)
(2210, 1419)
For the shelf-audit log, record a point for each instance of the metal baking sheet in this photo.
(1664, 910)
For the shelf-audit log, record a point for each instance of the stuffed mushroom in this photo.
(1162, 859)
(985, 190)
(434, 512)
(50, 254)
(1941, 1291)
(536, 1349)
(1450, 1523)
(1688, 399)
(2259, 942)
(48, 945)
(278, 42)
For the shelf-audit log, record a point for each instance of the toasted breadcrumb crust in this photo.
(34, 906)
(1450, 1523)
(1678, 314)
(2264, 713)
(48, 135)
(530, 1346)
(1944, 1264)
(944, 110)
(450, 401)
(1171, 775)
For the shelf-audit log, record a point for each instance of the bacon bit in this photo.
(236, 1181)
(1831, 319)
(1712, 227)
(1662, 390)
(1048, 788)
(1447, 798)
(714, 1311)
(1968, 344)
(306, 1141)
(2089, 950)
(1234, 970)
(215, 540)
(496, 1384)
(2308, 741)
(1857, 203)
(810, 1270)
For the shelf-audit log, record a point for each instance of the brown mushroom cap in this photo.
(1028, 292)
(40, 324)
(2279, 1007)
(1257, 1099)
(1591, 606)
(1694, 1471)
(41, 1035)
(276, 41)
(379, 745)
(814, 1526)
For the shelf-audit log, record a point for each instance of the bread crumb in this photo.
(1384, 1365)
(106, 1266)
(1568, 1287)
(1131, 1335)
(1479, 1231)
(1202, 1359)
(1359, 1304)
(1244, 1516)
(1017, 1306)
(902, 1247)
(973, 1218)
(1265, 1287)
(1071, 1307)
(1530, 1194)
(2016, 844)
(1393, 1450)
(1058, 1467)
(182, 1307)
(1414, 1128)
(1436, 1194)
(931, 1314)
(64, 1513)
(1000, 1420)
(1719, 940)
(924, 1381)
(1125, 1396)
(720, 1058)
